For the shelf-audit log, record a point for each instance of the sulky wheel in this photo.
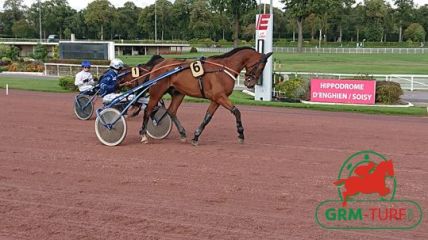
(83, 107)
(108, 133)
(161, 126)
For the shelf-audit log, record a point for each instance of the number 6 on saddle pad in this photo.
(197, 69)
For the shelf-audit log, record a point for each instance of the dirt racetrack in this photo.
(57, 181)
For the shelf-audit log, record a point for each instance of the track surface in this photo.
(58, 182)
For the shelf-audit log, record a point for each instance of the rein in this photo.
(149, 72)
(222, 66)
(123, 74)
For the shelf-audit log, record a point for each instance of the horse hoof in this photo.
(183, 139)
(144, 139)
(240, 140)
(195, 143)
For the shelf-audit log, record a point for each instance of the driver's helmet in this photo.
(116, 64)
(85, 64)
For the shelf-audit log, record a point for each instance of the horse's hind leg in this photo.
(135, 109)
(147, 112)
(226, 103)
(172, 111)
(208, 116)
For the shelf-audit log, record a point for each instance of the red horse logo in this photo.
(370, 179)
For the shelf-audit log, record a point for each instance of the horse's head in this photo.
(390, 168)
(254, 70)
(387, 167)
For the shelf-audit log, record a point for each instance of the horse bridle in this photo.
(251, 75)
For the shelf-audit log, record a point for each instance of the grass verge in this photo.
(330, 63)
(32, 84)
(238, 98)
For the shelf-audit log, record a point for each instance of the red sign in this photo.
(343, 91)
(262, 23)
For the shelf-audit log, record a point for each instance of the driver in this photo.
(108, 85)
(84, 80)
(108, 81)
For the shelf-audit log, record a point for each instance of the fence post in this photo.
(57, 70)
(411, 83)
(71, 70)
(45, 71)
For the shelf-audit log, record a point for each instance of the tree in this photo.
(55, 13)
(389, 23)
(13, 12)
(235, 9)
(55, 16)
(422, 16)
(164, 18)
(415, 32)
(311, 25)
(124, 24)
(324, 10)
(181, 18)
(404, 13)
(299, 9)
(99, 13)
(67, 33)
(356, 21)
(22, 29)
(12, 52)
(201, 19)
(375, 12)
(279, 23)
(77, 25)
(340, 16)
(40, 52)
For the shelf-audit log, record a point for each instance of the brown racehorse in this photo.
(217, 83)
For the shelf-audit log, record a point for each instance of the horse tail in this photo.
(339, 182)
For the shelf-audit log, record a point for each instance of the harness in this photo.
(199, 73)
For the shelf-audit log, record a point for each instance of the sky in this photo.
(79, 4)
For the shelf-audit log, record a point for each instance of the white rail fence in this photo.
(60, 69)
(407, 81)
(332, 50)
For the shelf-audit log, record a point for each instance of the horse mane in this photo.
(230, 53)
(153, 60)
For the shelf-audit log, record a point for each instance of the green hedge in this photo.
(388, 92)
(67, 83)
(296, 88)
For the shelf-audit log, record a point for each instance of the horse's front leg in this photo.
(208, 116)
(235, 111)
(172, 111)
(226, 103)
